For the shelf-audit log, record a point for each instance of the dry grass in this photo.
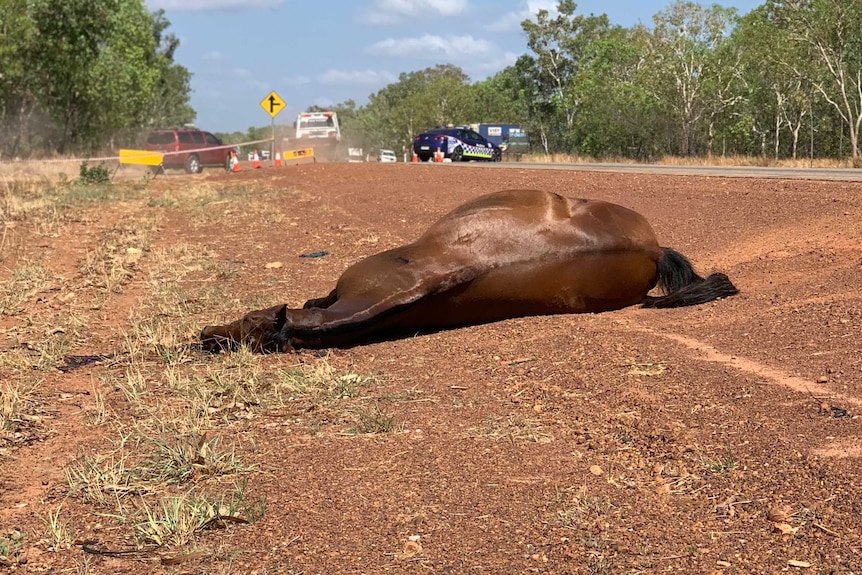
(723, 161)
(26, 279)
(166, 462)
(513, 428)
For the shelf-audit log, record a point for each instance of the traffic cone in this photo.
(234, 162)
(277, 158)
(415, 158)
(255, 161)
(438, 156)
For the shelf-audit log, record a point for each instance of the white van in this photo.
(387, 156)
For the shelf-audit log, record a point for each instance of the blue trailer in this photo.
(495, 133)
(511, 138)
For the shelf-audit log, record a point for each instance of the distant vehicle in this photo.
(189, 149)
(516, 144)
(387, 157)
(355, 155)
(458, 143)
(317, 125)
(319, 130)
(496, 133)
(262, 155)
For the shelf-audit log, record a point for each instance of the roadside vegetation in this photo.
(781, 82)
(700, 81)
(165, 459)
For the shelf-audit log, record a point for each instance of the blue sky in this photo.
(327, 52)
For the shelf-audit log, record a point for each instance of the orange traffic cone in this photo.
(415, 158)
(438, 156)
(255, 160)
(277, 158)
(234, 162)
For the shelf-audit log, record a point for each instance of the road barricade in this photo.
(143, 158)
(299, 154)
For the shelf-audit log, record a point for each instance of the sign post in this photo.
(272, 105)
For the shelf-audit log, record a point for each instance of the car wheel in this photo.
(193, 165)
(496, 155)
(457, 154)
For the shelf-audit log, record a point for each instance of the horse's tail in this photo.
(682, 286)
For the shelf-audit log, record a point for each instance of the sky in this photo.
(326, 52)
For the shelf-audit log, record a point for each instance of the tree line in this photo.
(782, 81)
(87, 75)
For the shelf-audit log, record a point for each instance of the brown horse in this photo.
(508, 254)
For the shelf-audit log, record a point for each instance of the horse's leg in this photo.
(322, 302)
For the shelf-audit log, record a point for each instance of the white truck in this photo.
(319, 130)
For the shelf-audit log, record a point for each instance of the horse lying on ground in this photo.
(507, 254)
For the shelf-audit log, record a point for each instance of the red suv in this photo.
(189, 149)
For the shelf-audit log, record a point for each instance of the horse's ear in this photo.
(280, 318)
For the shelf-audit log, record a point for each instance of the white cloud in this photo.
(296, 80)
(431, 47)
(356, 77)
(388, 12)
(511, 21)
(213, 56)
(214, 5)
(493, 65)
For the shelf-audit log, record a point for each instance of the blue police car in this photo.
(458, 143)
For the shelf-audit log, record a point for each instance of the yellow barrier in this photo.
(297, 154)
(141, 157)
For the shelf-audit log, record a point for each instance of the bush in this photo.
(94, 175)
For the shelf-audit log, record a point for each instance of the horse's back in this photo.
(531, 223)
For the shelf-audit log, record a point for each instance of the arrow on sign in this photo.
(273, 104)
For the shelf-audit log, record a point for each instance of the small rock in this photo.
(780, 514)
(822, 379)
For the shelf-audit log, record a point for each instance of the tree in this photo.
(79, 76)
(433, 96)
(777, 98)
(618, 117)
(16, 101)
(832, 29)
(170, 104)
(561, 46)
(684, 59)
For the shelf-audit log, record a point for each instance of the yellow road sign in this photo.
(272, 104)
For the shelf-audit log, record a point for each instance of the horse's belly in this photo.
(586, 283)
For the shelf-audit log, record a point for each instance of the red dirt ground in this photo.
(723, 438)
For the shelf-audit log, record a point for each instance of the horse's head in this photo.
(260, 331)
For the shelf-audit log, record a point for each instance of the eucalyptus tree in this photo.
(684, 62)
(71, 36)
(170, 104)
(418, 100)
(617, 116)
(17, 103)
(779, 97)
(832, 30)
(561, 47)
(77, 76)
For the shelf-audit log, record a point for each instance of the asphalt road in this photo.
(838, 174)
